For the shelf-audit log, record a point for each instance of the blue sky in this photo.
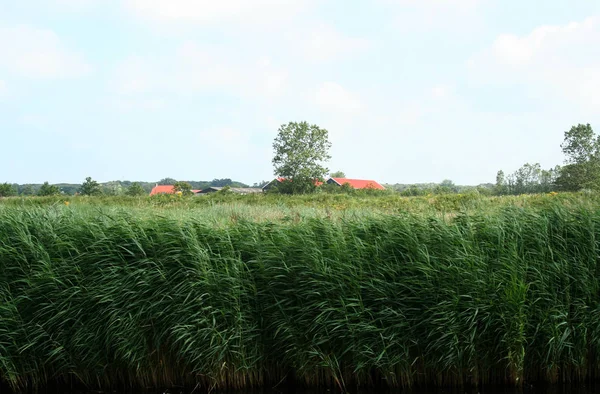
(410, 90)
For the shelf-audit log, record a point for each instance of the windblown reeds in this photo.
(109, 297)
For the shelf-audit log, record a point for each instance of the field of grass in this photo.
(327, 290)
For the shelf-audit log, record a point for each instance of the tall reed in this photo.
(133, 297)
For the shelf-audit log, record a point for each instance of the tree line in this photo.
(90, 187)
(301, 149)
(581, 171)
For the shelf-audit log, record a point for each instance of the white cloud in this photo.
(415, 15)
(441, 92)
(332, 97)
(325, 43)
(438, 4)
(192, 68)
(212, 12)
(76, 5)
(128, 104)
(134, 75)
(213, 140)
(557, 61)
(38, 53)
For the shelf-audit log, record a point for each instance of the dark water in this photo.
(557, 389)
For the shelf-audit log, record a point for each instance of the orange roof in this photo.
(359, 183)
(162, 189)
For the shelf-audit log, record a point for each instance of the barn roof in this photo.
(359, 183)
(162, 189)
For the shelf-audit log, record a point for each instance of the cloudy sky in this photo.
(410, 90)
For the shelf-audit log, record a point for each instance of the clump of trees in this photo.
(530, 178)
(581, 147)
(7, 190)
(48, 190)
(90, 188)
(582, 165)
(135, 190)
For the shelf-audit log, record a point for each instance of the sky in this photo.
(410, 90)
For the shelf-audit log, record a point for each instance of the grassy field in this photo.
(327, 290)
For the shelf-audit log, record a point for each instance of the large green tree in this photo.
(90, 187)
(48, 190)
(581, 147)
(300, 150)
(7, 190)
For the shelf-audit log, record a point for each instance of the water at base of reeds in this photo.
(529, 389)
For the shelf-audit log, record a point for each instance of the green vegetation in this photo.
(300, 149)
(183, 188)
(135, 190)
(581, 147)
(338, 174)
(7, 190)
(48, 190)
(90, 188)
(326, 289)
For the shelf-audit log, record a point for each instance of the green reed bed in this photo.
(109, 296)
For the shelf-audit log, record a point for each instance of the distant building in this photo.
(166, 189)
(279, 180)
(162, 189)
(237, 190)
(356, 183)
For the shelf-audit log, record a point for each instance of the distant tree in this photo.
(414, 190)
(337, 174)
(574, 177)
(7, 190)
(445, 187)
(500, 188)
(135, 190)
(48, 190)
(300, 151)
(581, 144)
(27, 190)
(113, 188)
(548, 179)
(183, 187)
(90, 187)
(581, 147)
(167, 181)
(221, 182)
(528, 179)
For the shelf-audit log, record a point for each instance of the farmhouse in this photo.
(162, 189)
(166, 189)
(356, 183)
(279, 180)
(236, 190)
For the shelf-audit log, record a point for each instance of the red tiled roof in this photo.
(359, 183)
(162, 189)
